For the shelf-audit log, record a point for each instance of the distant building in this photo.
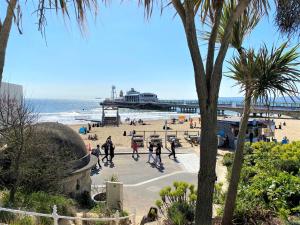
(11, 91)
(137, 97)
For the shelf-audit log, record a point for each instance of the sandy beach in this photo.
(150, 127)
(291, 130)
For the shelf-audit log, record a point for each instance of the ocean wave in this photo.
(96, 115)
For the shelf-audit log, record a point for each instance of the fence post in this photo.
(117, 216)
(55, 215)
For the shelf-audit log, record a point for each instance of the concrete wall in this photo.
(13, 91)
(77, 183)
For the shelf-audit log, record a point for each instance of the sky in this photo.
(119, 47)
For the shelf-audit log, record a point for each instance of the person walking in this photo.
(97, 152)
(112, 151)
(106, 147)
(251, 138)
(173, 149)
(158, 154)
(150, 152)
(134, 146)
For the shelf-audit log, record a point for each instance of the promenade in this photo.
(143, 181)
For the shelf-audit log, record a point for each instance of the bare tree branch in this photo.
(191, 35)
(212, 41)
(180, 9)
(217, 71)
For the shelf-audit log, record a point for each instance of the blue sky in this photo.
(119, 48)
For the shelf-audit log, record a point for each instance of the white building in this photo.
(137, 97)
(11, 91)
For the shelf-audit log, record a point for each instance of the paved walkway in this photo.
(143, 181)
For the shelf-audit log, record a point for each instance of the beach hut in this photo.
(260, 130)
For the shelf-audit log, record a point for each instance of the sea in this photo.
(70, 111)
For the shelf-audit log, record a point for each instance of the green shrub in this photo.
(270, 183)
(228, 159)
(38, 202)
(84, 200)
(178, 203)
(27, 220)
(219, 196)
(181, 213)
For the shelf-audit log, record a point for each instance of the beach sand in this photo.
(291, 130)
(121, 141)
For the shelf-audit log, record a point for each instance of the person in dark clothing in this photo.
(251, 138)
(150, 152)
(158, 154)
(112, 151)
(106, 147)
(172, 149)
(97, 152)
(226, 142)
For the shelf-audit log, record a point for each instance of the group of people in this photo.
(157, 159)
(109, 152)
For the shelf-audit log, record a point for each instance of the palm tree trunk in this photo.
(237, 164)
(207, 173)
(4, 34)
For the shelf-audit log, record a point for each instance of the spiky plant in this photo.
(262, 77)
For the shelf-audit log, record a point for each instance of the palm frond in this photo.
(242, 26)
(272, 73)
(277, 73)
(80, 8)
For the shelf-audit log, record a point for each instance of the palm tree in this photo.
(271, 75)
(207, 80)
(287, 17)
(241, 28)
(14, 13)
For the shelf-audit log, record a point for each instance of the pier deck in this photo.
(191, 106)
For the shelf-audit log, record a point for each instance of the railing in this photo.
(56, 217)
(230, 103)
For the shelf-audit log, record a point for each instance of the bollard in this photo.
(55, 215)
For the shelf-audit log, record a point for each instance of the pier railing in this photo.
(234, 103)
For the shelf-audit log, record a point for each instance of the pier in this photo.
(192, 106)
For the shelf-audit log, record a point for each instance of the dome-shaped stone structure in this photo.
(70, 150)
(63, 138)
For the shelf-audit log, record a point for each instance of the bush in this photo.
(178, 203)
(181, 213)
(37, 202)
(101, 210)
(27, 220)
(270, 184)
(228, 159)
(84, 200)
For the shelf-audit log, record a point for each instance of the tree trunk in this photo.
(16, 172)
(207, 173)
(4, 34)
(237, 164)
